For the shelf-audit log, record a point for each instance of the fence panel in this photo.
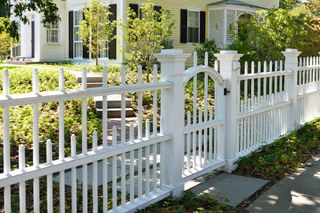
(263, 104)
(118, 172)
(308, 102)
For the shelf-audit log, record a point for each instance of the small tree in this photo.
(5, 45)
(145, 36)
(6, 40)
(96, 29)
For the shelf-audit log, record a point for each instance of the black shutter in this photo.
(157, 8)
(113, 44)
(85, 49)
(202, 26)
(135, 8)
(70, 34)
(183, 26)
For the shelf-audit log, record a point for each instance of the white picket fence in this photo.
(243, 110)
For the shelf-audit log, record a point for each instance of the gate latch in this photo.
(226, 91)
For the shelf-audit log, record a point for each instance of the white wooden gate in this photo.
(204, 122)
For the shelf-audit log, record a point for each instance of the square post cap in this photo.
(228, 55)
(172, 55)
(291, 53)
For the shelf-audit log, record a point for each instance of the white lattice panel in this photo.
(216, 20)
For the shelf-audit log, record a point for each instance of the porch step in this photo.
(114, 101)
(94, 84)
(116, 112)
(114, 106)
(90, 78)
(20, 62)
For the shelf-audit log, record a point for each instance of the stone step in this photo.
(116, 112)
(90, 79)
(94, 84)
(114, 101)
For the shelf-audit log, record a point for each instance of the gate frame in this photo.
(173, 63)
(219, 117)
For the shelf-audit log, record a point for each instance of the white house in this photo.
(194, 22)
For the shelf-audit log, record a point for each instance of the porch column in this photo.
(122, 18)
(25, 40)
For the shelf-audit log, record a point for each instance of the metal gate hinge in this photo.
(226, 91)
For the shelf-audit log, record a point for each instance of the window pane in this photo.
(193, 34)
(193, 19)
(77, 17)
(78, 49)
(76, 34)
(103, 52)
(52, 33)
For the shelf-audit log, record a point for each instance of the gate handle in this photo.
(226, 91)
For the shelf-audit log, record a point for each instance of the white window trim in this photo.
(74, 35)
(199, 25)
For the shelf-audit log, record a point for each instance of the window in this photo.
(78, 48)
(193, 26)
(53, 33)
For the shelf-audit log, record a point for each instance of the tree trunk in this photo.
(97, 54)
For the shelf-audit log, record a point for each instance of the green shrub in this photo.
(167, 44)
(21, 116)
(210, 47)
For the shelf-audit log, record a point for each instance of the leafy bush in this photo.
(210, 47)
(283, 156)
(21, 116)
(167, 44)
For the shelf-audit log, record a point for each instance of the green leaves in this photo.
(145, 36)
(270, 32)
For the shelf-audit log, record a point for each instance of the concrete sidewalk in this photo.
(299, 192)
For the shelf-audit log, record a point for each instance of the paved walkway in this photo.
(299, 192)
(229, 189)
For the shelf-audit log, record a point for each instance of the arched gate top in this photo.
(191, 72)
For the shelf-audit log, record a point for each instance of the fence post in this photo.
(229, 66)
(291, 87)
(172, 111)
